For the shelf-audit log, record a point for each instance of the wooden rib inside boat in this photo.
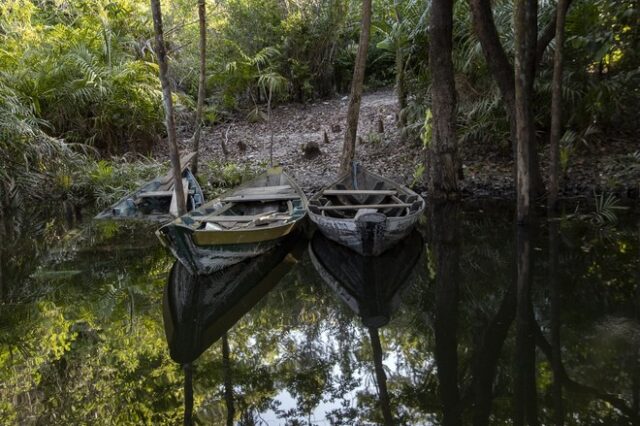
(365, 212)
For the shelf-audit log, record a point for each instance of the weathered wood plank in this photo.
(364, 206)
(173, 208)
(276, 189)
(185, 159)
(154, 194)
(261, 197)
(359, 192)
(247, 218)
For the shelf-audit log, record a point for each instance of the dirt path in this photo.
(486, 173)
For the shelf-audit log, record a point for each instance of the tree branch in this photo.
(577, 387)
(494, 52)
(548, 34)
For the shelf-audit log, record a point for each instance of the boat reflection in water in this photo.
(198, 310)
(372, 287)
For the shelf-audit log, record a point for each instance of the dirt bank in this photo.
(486, 173)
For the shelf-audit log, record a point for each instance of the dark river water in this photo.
(471, 320)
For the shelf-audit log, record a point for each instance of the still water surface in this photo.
(468, 321)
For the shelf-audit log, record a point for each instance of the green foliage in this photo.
(108, 181)
(221, 176)
(427, 129)
(606, 206)
(84, 77)
(418, 174)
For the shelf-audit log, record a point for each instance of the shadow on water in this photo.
(471, 320)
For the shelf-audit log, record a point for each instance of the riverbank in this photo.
(611, 167)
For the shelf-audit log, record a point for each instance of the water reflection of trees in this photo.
(76, 346)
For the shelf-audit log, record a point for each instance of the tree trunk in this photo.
(168, 105)
(201, 83)
(443, 150)
(228, 384)
(556, 108)
(353, 112)
(526, 29)
(503, 74)
(381, 377)
(401, 89)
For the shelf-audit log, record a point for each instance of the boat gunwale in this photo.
(400, 187)
(107, 213)
(275, 225)
(275, 230)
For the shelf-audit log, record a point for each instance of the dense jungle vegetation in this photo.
(79, 81)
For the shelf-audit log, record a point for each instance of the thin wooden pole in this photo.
(556, 108)
(161, 54)
(353, 111)
(201, 83)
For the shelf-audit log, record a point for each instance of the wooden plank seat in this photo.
(260, 197)
(154, 194)
(359, 192)
(364, 206)
(159, 194)
(265, 190)
(245, 218)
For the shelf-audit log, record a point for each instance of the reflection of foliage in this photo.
(91, 344)
(90, 350)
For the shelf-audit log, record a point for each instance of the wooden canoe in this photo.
(245, 222)
(156, 200)
(371, 286)
(365, 212)
(198, 310)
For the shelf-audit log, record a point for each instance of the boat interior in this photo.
(363, 193)
(160, 197)
(274, 204)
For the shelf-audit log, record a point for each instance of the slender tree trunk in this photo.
(497, 59)
(503, 74)
(201, 83)
(353, 111)
(168, 105)
(443, 150)
(381, 377)
(556, 108)
(270, 126)
(401, 89)
(526, 22)
(228, 383)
